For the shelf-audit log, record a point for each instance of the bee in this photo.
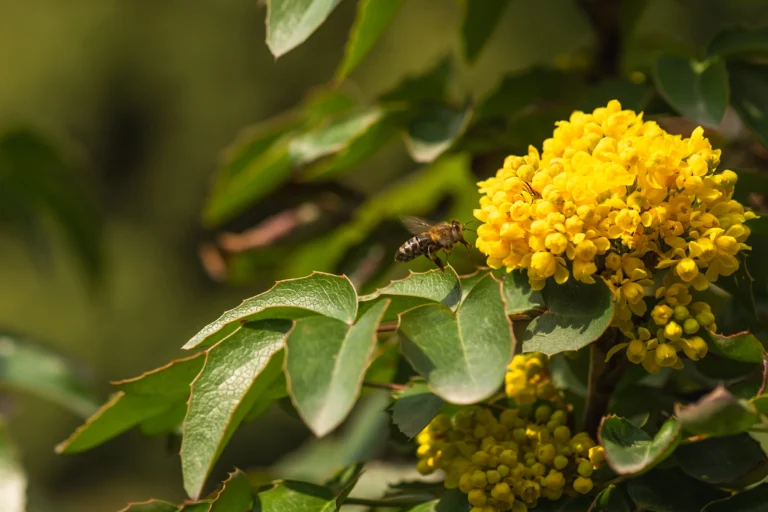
(430, 239)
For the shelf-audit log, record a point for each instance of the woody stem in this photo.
(603, 378)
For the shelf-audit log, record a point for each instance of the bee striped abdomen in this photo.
(412, 248)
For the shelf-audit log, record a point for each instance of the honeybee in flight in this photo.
(430, 239)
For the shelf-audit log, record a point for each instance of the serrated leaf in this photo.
(41, 181)
(261, 174)
(13, 481)
(414, 408)
(170, 381)
(578, 314)
(749, 96)
(428, 86)
(291, 22)
(30, 368)
(718, 413)
(168, 421)
(151, 506)
(321, 294)
(630, 450)
(463, 355)
(721, 461)
(417, 289)
(743, 347)
(671, 491)
(480, 20)
(612, 499)
(416, 194)
(698, 90)
(235, 495)
(325, 362)
(290, 496)
(199, 506)
(752, 500)
(739, 41)
(237, 370)
(373, 17)
(433, 130)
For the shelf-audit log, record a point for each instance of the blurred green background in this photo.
(150, 93)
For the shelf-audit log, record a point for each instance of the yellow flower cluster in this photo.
(510, 460)
(614, 197)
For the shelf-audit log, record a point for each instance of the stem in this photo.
(390, 327)
(604, 16)
(381, 385)
(395, 503)
(603, 378)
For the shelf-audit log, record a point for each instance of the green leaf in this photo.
(612, 499)
(137, 401)
(291, 22)
(322, 294)
(429, 86)
(630, 450)
(721, 461)
(416, 194)
(235, 495)
(414, 408)
(417, 289)
(168, 421)
(631, 95)
(671, 491)
(237, 370)
(519, 296)
(13, 481)
(718, 413)
(743, 347)
(739, 41)
(578, 314)
(260, 170)
(151, 506)
(373, 17)
(325, 363)
(289, 496)
(450, 501)
(29, 368)
(433, 131)
(41, 182)
(463, 355)
(752, 500)
(331, 138)
(198, 506)
(749, 96)
(698, 90)
(480, 20)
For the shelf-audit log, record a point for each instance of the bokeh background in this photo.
(150, 93)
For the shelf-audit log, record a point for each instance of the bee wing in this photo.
(416, 225)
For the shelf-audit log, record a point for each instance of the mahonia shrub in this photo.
(509, 457)
(616, 198)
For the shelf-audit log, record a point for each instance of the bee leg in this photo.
(432, 255)
(465, 244)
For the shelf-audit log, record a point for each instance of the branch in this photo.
(382, 385)
(603, 378)
(604, 16)
(388, 327)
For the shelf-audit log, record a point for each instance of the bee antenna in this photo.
(468, 229)
(470, 222)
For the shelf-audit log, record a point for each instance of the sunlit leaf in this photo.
(291, 22)
(671, 491)
(414, 408)
(327, 139)
(29, 368)
(480, 20)
(698, 90)
(741, 346)
(289, 496)
(752, 500)
(739, 41)
(13, 481)
(322, 294)
(373, 17)
(237, 370)
(723, 461)
(749, 96)
(325, 363)
(718, 413)
(630, 450)
(235, 495)
(577, 314)
(433, 130)
(463, 355)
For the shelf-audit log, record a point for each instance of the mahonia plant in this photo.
(617, 198)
